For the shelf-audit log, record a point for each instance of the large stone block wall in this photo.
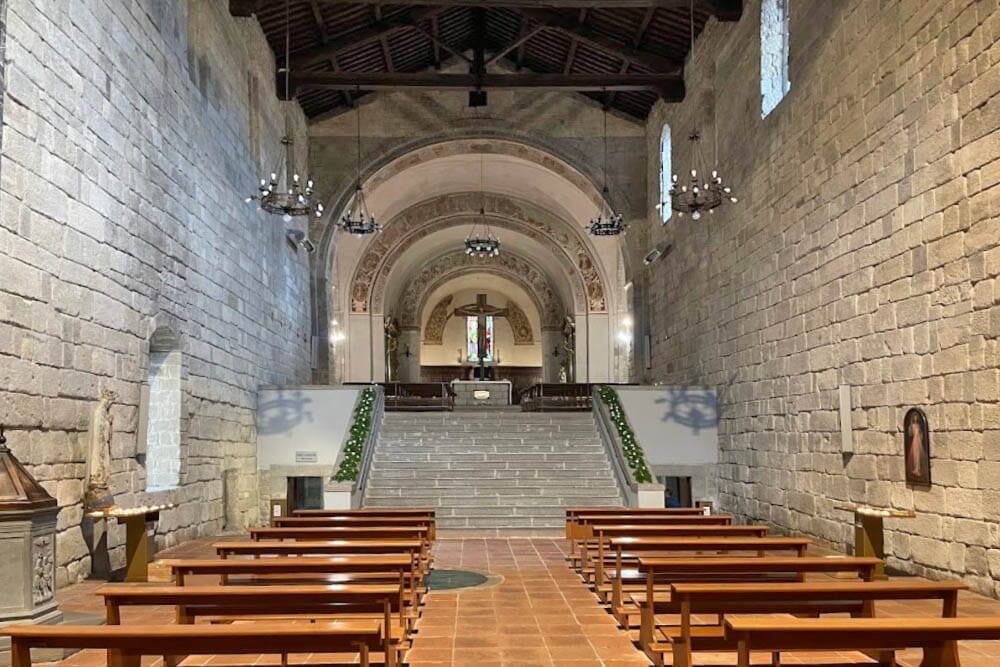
(132, 130)
(865, 251)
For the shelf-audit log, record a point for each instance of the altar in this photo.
(481, 393)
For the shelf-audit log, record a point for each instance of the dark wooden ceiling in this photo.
(624, 53)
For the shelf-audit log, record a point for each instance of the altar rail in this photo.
(547, 396)
(418, 396)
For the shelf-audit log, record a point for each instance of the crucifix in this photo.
(480, 310)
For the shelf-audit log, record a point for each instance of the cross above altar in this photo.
(480, 310)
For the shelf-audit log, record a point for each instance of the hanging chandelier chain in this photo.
(282, 193)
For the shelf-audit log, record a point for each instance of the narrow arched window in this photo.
(163, 414)
(665, 173)
(774, 80)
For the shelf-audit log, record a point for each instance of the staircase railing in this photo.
(636, 494)
(349, 493)
(358, 492)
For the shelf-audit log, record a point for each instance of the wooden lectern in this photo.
(869, 531)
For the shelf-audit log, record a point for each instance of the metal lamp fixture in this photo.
(281, 194)
(607, 222)
(359, 220)
(481, 242)
(701, 192)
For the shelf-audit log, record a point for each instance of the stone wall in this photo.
(132, 130)
(865, 251)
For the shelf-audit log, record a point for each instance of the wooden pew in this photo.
(127, 644)
(604, 535)
(937, 637)
(628, 550)
(573, 513)
(339, 532)
(423, 513)
(359, 521)
(585, 524)
(801, 598)
(333, 533)
(416, 549)
(402, 569)
(330, 602)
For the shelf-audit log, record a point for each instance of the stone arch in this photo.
(368, 284)
(451, 265)
(576, 162)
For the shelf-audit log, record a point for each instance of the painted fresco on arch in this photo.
(917, 448)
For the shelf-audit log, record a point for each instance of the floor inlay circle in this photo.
(459, 580)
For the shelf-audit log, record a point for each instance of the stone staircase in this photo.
(497, 469)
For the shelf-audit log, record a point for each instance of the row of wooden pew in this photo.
(663, 571)
(328, 582)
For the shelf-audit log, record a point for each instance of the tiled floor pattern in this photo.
(541, 615)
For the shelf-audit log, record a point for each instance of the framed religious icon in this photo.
(917, 448)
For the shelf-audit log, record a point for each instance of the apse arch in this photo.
(594, 263)
(380, 258)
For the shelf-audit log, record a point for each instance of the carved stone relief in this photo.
(519, 324)
(434, 331)
(43, 569)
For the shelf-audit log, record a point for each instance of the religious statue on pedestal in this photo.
(391, 346)
(98, 490)
(569, 347)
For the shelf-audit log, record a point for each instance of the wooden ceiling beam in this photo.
(569, 26)
(671, 88)
(436, 40)
(370, 35)
(571, 56)
(724, 10)
(640, 32)
(525, 34)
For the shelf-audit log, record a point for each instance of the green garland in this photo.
(360, 428)
(633, 452)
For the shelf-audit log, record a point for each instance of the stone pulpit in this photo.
(27, 548)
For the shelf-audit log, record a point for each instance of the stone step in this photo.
(387, 477)
(491, 457)
(488, 482)
(494, 496)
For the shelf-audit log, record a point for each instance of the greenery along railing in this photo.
(630, 447)
(361, 427)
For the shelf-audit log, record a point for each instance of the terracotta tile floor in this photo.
(541, 615)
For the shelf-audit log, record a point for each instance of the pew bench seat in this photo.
(937, 637)
(127, 644)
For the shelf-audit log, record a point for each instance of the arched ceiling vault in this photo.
(565, 245)
(423, 252)
(455, 263)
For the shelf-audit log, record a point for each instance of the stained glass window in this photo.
(774, 79)
(665, 174)
(472, 338)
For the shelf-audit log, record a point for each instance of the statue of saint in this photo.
(98, 490)
(562, 374)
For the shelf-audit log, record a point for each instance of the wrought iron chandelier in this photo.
(481, 242)
(286, 196)
(359, 220)
(701, 193)
(607, 222)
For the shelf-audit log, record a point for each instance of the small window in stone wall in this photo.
(163, 428)
(774, 79)
(665, 174)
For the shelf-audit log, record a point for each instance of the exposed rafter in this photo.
(669, 87)
(569, 26)
(724, 10)
(370, 35)
(518, 44)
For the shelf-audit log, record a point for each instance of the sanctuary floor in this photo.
(540, 615)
